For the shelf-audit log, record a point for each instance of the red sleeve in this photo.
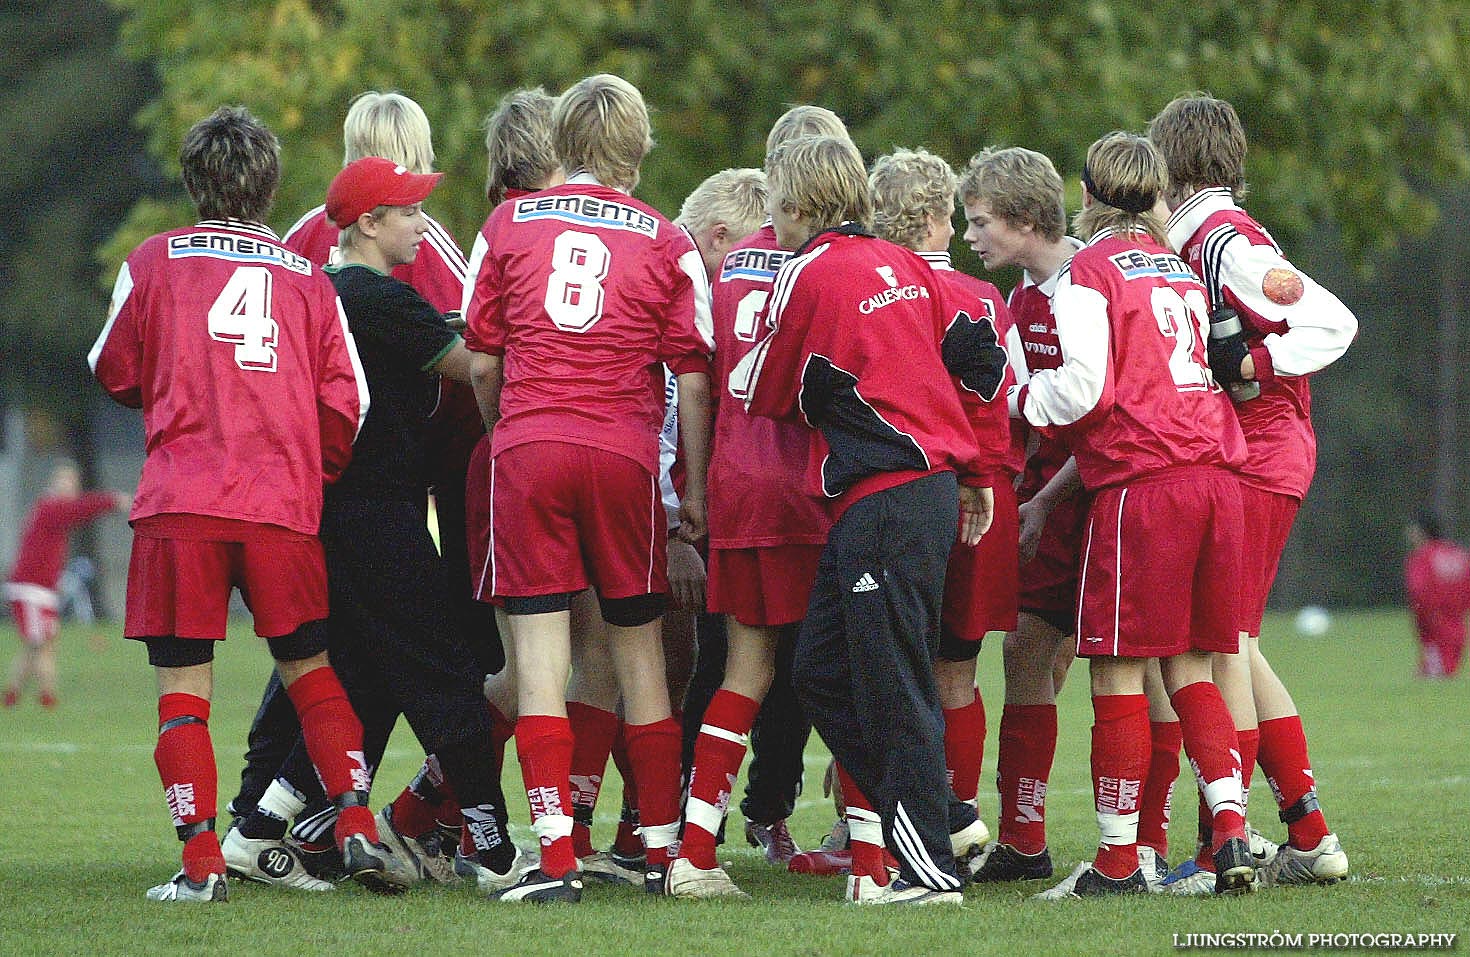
(687, 340)
(342, 394)
(116, 358)
(485, 316)
(87, 508)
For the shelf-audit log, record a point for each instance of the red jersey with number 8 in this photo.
(586, 291)
(237, 351)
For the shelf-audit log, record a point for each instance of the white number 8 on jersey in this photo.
(579, 263)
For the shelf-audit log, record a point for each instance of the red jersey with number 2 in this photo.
(586, 291)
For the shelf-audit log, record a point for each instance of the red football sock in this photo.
(1158, 788)
(544, 743)
(1204, 849)
(654, 751)
(1214, 753)
(333, 737)
(1120, 755)
(185, 758)
(964, 747)
(1028, 743)
(413, 811)
(718, 751)
(593, 731)
(1250, 747)
(627, 842)
(864, 831)
(1288, 770)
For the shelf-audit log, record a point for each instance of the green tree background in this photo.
(1357, 113)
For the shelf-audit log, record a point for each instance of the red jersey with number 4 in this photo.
(1133, 386)
(237, 351)
(586, 291)
(753, 502)
(1294, 327)
(989, 414)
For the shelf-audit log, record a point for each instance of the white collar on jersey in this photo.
(938, 259)
(1192, 213)
(583, 178)
(1048, 286)
(240, 225)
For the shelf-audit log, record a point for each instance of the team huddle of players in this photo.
(875, 459)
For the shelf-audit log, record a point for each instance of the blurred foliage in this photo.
(1353, 108)
(73, 166)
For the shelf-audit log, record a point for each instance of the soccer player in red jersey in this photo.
(1155, 442)
(913, 206)
(857, 328)
(1437, 581)
(750, 496)
(211, 326)
(1015, 217)
(39, 559)
(582, 292)
(1292, 328)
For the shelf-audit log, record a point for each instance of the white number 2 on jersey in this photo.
(579, 263)
(746, 312)
(241, 315)
(1183, 319)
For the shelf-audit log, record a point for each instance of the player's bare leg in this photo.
(964, 750)
(1028, 740)
(592, 709)
(44, 668)
(22, 667)
(1312, 854)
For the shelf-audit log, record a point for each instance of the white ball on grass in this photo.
(1313, 620)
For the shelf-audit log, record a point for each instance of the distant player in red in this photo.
(857, 351)
(913, 206)
(237, 351)
(1015, 217)
(1437, 581)
(582, 295)
(1292, 328)
(1155, 442)
(39, 559)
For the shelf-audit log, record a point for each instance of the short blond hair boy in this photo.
(911, 189)
(389, 125)
(600, 127)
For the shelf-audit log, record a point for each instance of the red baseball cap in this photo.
(365, 184)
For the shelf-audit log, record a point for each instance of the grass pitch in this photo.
(83, 831)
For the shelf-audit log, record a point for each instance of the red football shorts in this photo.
(981, 583)
(762, 587)
(564, 516)
(35, 610)
(1268, 520)
(1048, 586)
(183, 567)
(1160, 572)
(477, 521)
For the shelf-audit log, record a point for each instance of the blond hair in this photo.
(1203, 143)
(390, 126)
(600, 126)
(820, 180)
(735, 197)
(805, 120)
(518, 147)
(1127, 176)
(1021, 187)
(910, 188)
